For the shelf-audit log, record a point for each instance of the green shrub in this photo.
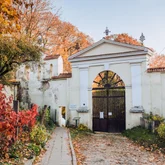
(35, 148)
(39, 135)
(161, 130)
(145, 138)
(141, 135)
(44, 118)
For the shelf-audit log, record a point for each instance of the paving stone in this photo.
(58, 149)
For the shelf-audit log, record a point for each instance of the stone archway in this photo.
(108, 100)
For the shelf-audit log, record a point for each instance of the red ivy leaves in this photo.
(10, 120)
(28, 117)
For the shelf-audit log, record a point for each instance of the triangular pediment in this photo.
(107, 47)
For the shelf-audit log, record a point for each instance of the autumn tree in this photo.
(58, 37)
(14, 49)
(67, 41)
(35, 19)
(124, 38)
(14, 52)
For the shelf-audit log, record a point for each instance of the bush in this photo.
(35, 148)
(82, 127)
(39, 135)
(10, 120)
(161, 130)
(19, 150)
(45, 118)
(157, 118)
(140, 135)
(145, 138)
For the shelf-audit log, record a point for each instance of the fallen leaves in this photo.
(80, 157)
(113, 149)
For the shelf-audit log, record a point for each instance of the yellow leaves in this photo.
(8, 17)
(18, 26)
(6, 2)
(3, 58)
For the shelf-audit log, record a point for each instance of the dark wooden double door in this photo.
(109, 109)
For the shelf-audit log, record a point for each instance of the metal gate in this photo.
(108, 103)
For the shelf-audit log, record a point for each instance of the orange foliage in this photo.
(68, 40)
(157, 61)
(9, 16)
(58, 37)
(124, 38)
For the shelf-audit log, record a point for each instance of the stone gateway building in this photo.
(110, 86)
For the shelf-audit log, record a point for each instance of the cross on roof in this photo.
(142, 38)
(107, 31)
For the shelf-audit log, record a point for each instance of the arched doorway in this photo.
(108, 99)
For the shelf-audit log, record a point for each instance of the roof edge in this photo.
(158, 69)
(51, 57)
(62, 76)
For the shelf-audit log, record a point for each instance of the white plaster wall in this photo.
(74, 94)
(55, 95)
(60, 65)
(136, 84)
(146, 89)
(153, 95)
(83, 86)
(163, 94)
(155, 79)
(54, 62)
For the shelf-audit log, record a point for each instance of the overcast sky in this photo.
(120, 16)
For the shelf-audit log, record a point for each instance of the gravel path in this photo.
(114, 149)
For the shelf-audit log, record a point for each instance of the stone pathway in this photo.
(58, 149)
(114, 149)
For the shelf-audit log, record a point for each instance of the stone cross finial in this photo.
(142, 38)
(107, 31)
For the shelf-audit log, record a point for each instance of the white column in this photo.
(136, 85)
(83, 87)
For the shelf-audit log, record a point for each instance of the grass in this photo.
(145, 138)
(80, 131)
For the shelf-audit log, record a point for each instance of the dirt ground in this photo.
(114, 149)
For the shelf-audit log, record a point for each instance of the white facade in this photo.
(143, 91)
(129, 62)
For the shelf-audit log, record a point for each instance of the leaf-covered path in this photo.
(113, 149)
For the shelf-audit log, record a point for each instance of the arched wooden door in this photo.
(108, 96)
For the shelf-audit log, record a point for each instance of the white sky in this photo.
(120, 16)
